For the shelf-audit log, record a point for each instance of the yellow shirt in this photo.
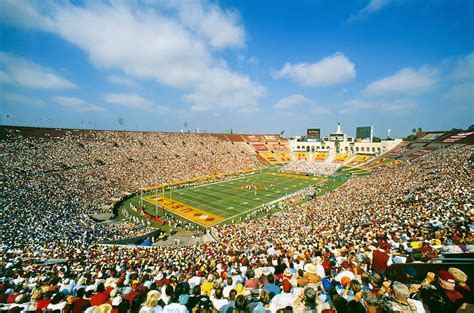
(207, 287)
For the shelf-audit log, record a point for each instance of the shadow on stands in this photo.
(462, 261)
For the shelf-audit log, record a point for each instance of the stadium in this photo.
(84, 191)
(236, 157)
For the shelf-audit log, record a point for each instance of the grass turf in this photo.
(227, 200)
(231, 198)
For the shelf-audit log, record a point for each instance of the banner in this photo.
(360, 159)
(285, 157)
(430, 137)
(260, 147)
(340, 158)
(270, 138)
(279, 147)
(320, 157)
(458, 136)
(302, 156)
(269, 157)
(421, 152)
(253, 138)
(399, 151)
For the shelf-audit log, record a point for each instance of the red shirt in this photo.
(11, 298)
(42, 304)
(252, 283)
(99, 298)
(379, 261)
(453, 295)
(80, 305)
(131, 295)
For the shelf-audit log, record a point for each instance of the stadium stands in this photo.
(363, 245)
(54, 176)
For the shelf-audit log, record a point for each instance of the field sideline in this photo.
(215, 203)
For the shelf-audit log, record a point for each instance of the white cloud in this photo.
(18, 71)
(122, 81)
(76, 104)
(396, 107)
(331, 70)
(134, 101)
(249, 60)
(372, 7)
(161, 44)
(465, 68)
(460, 96)
(20, 99)
(405, 81)
(25, 13)
(293, 101)
(221, 89)
(220, 28)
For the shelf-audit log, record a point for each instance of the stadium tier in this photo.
(318, 233)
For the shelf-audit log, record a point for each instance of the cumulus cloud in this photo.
(134, 101)
(465, 68)
(405, 81)
(15, 70)
(221, 89)
(396, 107)
(220, 28)
(122, 81)
(461, 96)
(77, 105)
(293, 101)
(162, 44)
(372, 7)
(28, 14)
(330, 70)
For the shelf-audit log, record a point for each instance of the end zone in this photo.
(185, 211)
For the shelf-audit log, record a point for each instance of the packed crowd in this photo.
(52, 184)
(310, 167)
(331, 253)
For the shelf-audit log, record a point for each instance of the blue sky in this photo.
(250, 66)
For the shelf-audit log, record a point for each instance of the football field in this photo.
(215, 203)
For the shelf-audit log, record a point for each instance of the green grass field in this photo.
(222, 202)
(231, 198)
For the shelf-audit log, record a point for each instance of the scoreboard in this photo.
(313, 133)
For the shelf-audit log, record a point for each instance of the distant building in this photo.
(338, 142)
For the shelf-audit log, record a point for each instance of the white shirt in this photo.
(282, 301)
(320, 270)
(226, 291)
(156, 309)
(175, 308)
(418, 304)
(194, 281)
(219, 303)
(348, 274)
